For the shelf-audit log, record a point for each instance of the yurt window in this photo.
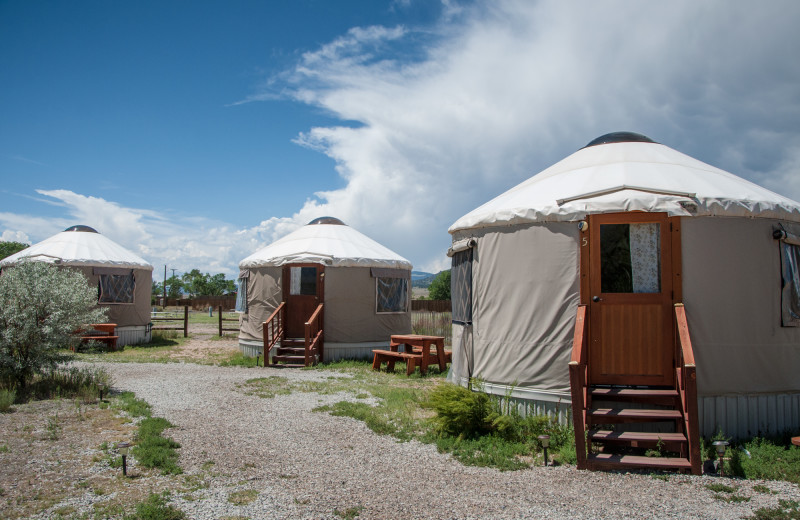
(461, 286)
(790, 293)
(630, 258)
(241, 291)
(391, 289)
(114, 287)
(303, 281)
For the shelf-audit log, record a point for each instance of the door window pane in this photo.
(630, 258)
(304, 281)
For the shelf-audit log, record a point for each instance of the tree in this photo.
(9, 248)
(174, 287)
(440, 286)
(41, 307)
(195, 282)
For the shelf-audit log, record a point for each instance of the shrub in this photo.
(460, 411)
(41, 307)
(7, 398)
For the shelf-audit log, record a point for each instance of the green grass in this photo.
(720, 488)
(786, 510)
(152, 450)
(243, 497)
(128, 402)
(7, 398)
(156, 508)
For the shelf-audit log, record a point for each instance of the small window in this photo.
(241, 295)
(303, 281)
(116, 288)
(461, 286)
(790, 286)
(392, 294)
(630, 258)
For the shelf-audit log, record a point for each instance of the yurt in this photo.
(655, 251)
(356, 290)
(123, 279)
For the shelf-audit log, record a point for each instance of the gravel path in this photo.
(306, 464)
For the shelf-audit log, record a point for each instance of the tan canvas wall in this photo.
(731, 288)
(350, 315)
(125, 314)
(526, 292)
(264, 294)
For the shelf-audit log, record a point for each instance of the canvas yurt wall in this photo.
(354, 266)
(517, 280)
(123, 279)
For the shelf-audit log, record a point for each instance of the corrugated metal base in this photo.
(132, 335)
(744, 416)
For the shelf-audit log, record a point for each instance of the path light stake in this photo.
(257, 360)
(123, 450)
(100, 388)
(545, 440)
(720, 447)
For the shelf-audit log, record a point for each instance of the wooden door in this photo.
(303, 291)
(630, 298)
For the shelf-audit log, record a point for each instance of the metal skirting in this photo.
(132, 335)
(745, 416)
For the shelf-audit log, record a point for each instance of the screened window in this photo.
(461, 286)
(392, 294)
(630, 258)
(790, 286)
(241, 295)
(303, 281)
(116, 288)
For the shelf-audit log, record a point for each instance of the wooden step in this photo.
(620, 415)
(289, 359)
(666, 396)
(293, 342)
(612, 461)
(639, 439)
(291, 351)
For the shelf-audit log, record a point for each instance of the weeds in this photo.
(53, 428)
(154, 451)
(243, 497)
(128, 402)
(7, 398)
(349, 513)
(156, 508)
(786, 510)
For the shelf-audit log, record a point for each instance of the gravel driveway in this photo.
(306, 464)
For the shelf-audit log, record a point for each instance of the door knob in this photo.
(595, 299)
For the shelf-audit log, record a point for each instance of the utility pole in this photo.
(165, 285)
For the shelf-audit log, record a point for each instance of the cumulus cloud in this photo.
(504, 89)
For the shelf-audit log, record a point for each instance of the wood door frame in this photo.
(286, 282)
(585, 258)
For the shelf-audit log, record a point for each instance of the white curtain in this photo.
(645, 257)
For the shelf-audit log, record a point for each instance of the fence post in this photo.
(185, 321)
(219, 312)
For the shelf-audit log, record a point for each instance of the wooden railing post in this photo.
(686, 379)
(577, 383)
(219, 312)
(185, 321)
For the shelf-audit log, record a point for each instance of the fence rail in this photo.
(171, 320)
(433, 324)
(222, 319)
(431, 305)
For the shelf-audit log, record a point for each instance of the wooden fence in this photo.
(433, 324)
(202, 303)
(172, 320)
(431, 305)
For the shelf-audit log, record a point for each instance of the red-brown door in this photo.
(303, 291)
(630, 299)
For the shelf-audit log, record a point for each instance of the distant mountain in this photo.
(422, 279)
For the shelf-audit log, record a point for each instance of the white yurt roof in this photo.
(80, 246)
(326, 241)
(624, 171)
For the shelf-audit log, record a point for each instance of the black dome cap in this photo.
(326, 220)
(85, 229)
(620, 137)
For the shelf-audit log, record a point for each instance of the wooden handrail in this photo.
(686, 379)
(273, 330)
(313, 335)
(578, 375)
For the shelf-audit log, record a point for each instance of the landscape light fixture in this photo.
(100, 388)
(122, 447)
(545, 440)
(720, 446)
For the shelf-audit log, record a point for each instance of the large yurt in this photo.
(631, 229)
(123, 279)
(364, 288)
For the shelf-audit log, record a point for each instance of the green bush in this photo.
(41, 307)
(7, 398)
(154, 451)
(767, 460)
(460, 412)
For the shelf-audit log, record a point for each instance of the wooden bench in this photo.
(102, 332)
(391, 357)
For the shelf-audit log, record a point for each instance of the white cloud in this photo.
(506, 89)
(15, 236)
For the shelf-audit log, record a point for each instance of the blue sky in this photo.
(196, 132)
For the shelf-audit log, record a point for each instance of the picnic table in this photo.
(100, 332)
(418, 349)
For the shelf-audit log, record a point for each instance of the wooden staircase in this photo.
(608, 419)
(280, 351)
